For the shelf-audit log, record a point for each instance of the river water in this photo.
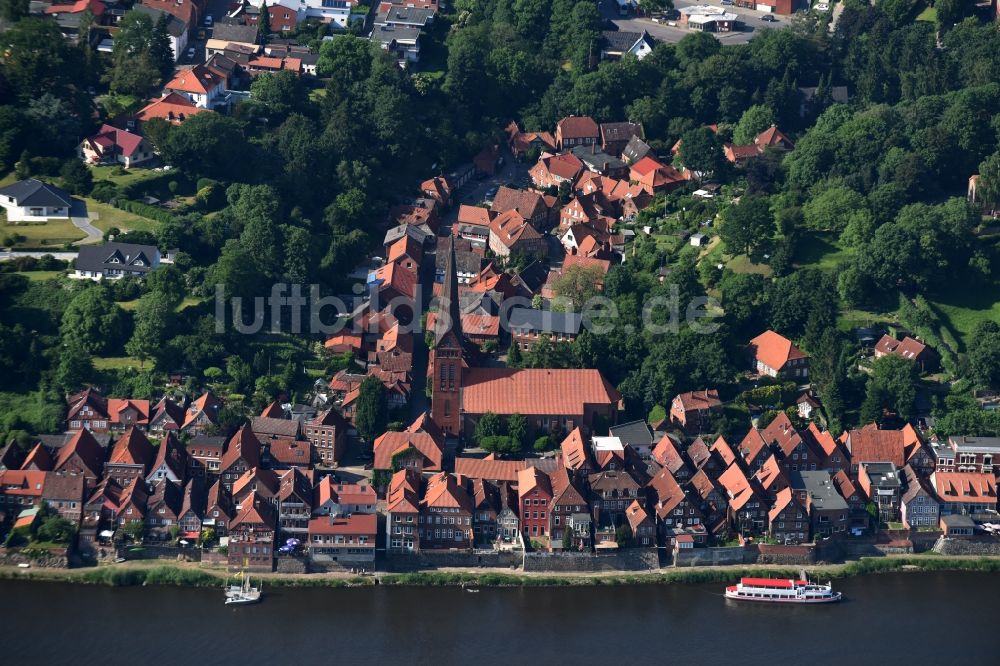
(910, 618)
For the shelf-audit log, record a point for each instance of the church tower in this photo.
(449, 355)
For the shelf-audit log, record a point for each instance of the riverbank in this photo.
(140, 573)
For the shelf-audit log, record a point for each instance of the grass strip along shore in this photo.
(186, 577)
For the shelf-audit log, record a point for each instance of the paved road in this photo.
(7, 255)
(80, 218)
(672, 35)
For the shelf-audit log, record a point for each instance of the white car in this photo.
(822, 7)
(190, 53)
(208, 21)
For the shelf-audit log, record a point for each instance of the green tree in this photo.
(833, 208)
(154, 316)
(983, 355)
(37, 58)
(264, 23)
(543, 444)
(167, 281)
(134, 530)
(748, 227)
(76, 177)
(12, 10)
(279, 94)
(207, 144)
(517, 428)
(576, 285)
(624, 536)
(893, 387)
(701, 150)
(488, 425)
(370, 416)
(567, 539)
(988, 185)
(94, 321)
(75, 368)
(514, 359)
(139, 60)
(754, 120)
(56, 529)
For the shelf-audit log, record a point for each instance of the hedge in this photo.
(145, 210)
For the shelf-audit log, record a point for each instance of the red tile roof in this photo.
(404, 492)
(82, 444)
(444, 492)
(273, 411)
(773, 136)
(574, 450)
(966, 487)
(511, 227)
(391, 443)
(699, 400)
(844, 485)
(39, 459)
(532, 478)
(737, 486)
(198, 79)
(535, 391)
(721, 448)
(871, 444)
(344, 493)
(489, 468)
(402, 280)
(475, 215)
(358, 524)
(109, 135)
(244, 444)
(775, 350)
(578, 127)
(667, 493)
(908, 348)
(132, 448)
(171, 107)
(288, 451)
(751, 446)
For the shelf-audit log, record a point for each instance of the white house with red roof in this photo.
(774, 355)
(111, 145)
(200, 85)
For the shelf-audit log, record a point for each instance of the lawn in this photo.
(51, 235)
(962, 309)
(130, 176)
(188, 302)
(55, 233)
(115, 362)
(929, 14)
(742, 264)
(108, 216)
(821, 250)
(39, 276)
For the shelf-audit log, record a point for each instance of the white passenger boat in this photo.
(782, 590)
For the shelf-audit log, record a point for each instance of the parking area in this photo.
(663, 31)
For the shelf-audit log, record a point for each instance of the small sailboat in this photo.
(244, 593)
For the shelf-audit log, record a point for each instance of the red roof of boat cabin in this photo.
(771, 582)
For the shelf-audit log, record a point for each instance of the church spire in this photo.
(449, 311)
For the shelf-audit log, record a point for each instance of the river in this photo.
(909, 618)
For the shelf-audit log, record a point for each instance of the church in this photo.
(554, 401)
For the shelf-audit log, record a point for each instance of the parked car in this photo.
(822, 7)
(190, 53)
(208, 21)
(768, 18)
(726, 2)
(492, 192)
